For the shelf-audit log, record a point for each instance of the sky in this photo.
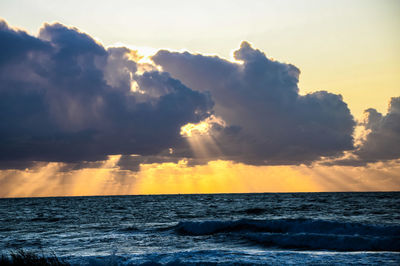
(158, 97)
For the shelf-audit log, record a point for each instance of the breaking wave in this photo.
(301, 233)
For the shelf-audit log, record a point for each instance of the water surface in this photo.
(271, 228)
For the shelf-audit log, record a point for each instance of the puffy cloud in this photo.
(378, 140)
(383, 140)
(267, 120)
(64, 97)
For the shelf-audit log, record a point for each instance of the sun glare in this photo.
(202, 128)
(190, 129)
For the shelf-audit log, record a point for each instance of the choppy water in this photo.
(290, 228)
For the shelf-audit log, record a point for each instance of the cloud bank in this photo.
(268, 121)
(383, 139)
(66, 98)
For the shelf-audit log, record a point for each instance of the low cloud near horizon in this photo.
(66, 98)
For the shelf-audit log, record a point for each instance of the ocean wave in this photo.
(237, 257)
(302, 233)
(128, 229)
(253, 211)
(326, 242)
(46, 219)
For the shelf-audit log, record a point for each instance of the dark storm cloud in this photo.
(383, 140)
(132, 162)
(17, 45)
(268, 121)
(64, 97)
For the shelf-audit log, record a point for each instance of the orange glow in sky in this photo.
(214, 177)
(344, 47)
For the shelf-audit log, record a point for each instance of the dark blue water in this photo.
(226, 229)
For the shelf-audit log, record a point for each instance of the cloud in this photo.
(267, 120)
(383, 140)
(66, 98)
(378, 141)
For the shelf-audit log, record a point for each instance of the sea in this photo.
(208, 229)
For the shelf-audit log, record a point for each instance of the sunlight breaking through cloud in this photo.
(202, 128)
